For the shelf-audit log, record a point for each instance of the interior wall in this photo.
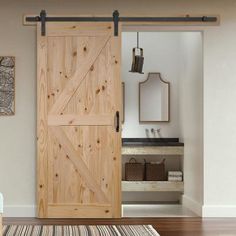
(18, 132)
(17, 157)
(191, 118)
(161, 54)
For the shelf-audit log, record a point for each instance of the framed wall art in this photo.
(7, 85)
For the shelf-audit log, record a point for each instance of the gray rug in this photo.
(79, 230)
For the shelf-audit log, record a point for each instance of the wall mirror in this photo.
(154, 99)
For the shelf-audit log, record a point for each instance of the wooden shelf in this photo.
(153, 150)
(152, 186)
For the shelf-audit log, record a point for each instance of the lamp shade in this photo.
(137, 58)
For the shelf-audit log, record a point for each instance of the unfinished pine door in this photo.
(79, 95)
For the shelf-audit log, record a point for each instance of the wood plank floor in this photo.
(165, 226)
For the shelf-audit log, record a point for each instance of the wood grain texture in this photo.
(81, 71)
(152, 186)
(97, 94)
(192, 226)
(153, 150)
(81, 29)
(42, 124)
(117, 96)
(75, 120)
(79, 165)
(80, 211)
(83, 94)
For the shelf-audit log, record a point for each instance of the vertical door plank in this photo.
(42, 124)
(116, 75)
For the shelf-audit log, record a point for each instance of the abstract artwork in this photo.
(7, 85)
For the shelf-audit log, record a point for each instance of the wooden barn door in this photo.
(79, 98)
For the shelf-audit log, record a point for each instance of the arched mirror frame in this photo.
(140, 83)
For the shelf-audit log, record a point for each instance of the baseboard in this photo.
(19, 211)
(204, 211)
(192, 205)
(219, 211)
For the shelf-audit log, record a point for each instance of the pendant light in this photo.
(138, 59)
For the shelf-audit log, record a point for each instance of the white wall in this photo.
(161, 54)
(17, 133)
(191, 118)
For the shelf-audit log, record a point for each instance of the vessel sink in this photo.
(151, 142)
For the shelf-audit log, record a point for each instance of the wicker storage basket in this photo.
(155, 171)
(134, 171)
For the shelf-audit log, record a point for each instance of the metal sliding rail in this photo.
(43, 18)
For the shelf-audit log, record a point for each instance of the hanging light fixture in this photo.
(138, 59)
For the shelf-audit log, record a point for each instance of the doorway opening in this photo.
(178, 58)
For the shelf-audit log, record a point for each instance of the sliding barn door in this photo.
(79, 141)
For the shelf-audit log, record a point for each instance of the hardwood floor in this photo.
(165, 226)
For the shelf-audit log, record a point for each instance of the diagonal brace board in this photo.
(75, 81)
(79, 163)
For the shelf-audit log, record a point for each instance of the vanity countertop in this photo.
(151, 142)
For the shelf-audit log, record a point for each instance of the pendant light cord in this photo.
(137, 39)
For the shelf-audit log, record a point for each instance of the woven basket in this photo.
(134, 171)
(155, 171)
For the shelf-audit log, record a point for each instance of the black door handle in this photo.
(117, 121)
